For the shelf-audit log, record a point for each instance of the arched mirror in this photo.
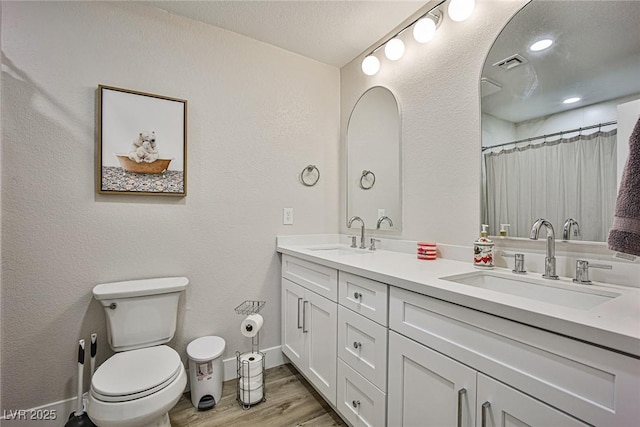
(373, 159)
(560, 94)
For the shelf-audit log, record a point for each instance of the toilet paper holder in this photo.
(250, 389)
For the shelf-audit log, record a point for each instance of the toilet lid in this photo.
(136, 373)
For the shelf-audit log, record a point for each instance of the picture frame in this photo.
(142, 143)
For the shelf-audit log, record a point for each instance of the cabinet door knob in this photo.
(357, 295)
(357, 344)
(355, 403)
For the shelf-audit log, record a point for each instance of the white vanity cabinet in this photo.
(309, 322)
(512, 374)
(362, 350)
(427, 388)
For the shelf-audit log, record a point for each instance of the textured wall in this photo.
(438, 88)
(257, 116)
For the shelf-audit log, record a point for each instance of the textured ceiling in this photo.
(332, 32)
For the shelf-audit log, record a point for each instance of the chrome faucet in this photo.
(383, 219)
(550, 259)
(357, 218)
(566, 230)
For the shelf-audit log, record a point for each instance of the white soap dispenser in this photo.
(503, 229)
(483, 250)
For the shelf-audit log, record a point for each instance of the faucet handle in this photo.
(353, 241)
(518, 267)
(372, 247)
(582, 271)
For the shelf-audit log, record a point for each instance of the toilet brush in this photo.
(79, 418)
(94, 350)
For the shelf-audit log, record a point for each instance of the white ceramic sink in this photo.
(581, 297)
(338, 250)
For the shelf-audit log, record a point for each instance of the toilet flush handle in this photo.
(113, 305)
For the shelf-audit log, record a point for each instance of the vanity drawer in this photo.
(359, 401)
(594, 384)
(362, 344)
(364, 296)
(315, 277)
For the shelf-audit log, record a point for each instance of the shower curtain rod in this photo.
(599, 125)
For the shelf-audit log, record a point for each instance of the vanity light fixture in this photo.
(394, 49)
(460, 10)
(424, 29)
(541, 45)
(571, 100)
(370, 65)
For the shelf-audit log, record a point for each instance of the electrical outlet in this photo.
(287, 216)
(381, 213)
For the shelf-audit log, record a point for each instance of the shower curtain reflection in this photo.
(569, 177)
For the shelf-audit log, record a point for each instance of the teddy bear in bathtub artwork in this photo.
(144, 148)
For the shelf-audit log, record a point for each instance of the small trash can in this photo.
(206, 371)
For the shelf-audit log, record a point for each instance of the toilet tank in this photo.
(140, 313)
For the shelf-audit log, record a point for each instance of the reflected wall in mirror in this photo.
(545, 158)
(373, 159)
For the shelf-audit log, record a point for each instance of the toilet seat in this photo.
(135, 374)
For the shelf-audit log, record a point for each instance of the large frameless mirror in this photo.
(560, 95)
(373, 160)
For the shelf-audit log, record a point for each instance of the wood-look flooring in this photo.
(290, 402)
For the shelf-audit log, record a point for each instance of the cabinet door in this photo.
(320, 320)
(292, 332)
(501, 405)
(427, 388)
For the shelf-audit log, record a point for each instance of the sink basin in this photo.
(338, 250)
(581, 297)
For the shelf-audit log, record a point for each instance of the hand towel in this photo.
(624, 236)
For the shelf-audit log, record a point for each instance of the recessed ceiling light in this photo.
(541, 45)
(571, 100)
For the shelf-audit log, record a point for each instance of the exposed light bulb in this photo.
(541, 45)
(424, 30)
(571, 100)
(459, 10)
(370, 65)
(394, 49)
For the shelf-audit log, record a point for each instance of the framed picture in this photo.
(142, 143)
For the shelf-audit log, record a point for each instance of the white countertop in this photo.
(614, 324)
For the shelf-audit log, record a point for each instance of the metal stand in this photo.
(243, 364)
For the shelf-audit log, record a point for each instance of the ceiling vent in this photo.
(511, 62)
(489, 87)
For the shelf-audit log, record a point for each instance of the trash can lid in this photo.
(204, 349)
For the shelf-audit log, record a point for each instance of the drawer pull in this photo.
(299, 325)
(485, 409)
(357, 295)
(355, 403)
(357, 345)
(461, 394)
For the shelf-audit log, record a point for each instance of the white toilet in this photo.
(138, 385)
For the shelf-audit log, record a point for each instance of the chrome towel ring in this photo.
(366, 173)
(306, 172)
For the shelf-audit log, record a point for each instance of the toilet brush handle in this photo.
(94, 351)
(80, 369)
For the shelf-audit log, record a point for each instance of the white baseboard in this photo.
(58, 412)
